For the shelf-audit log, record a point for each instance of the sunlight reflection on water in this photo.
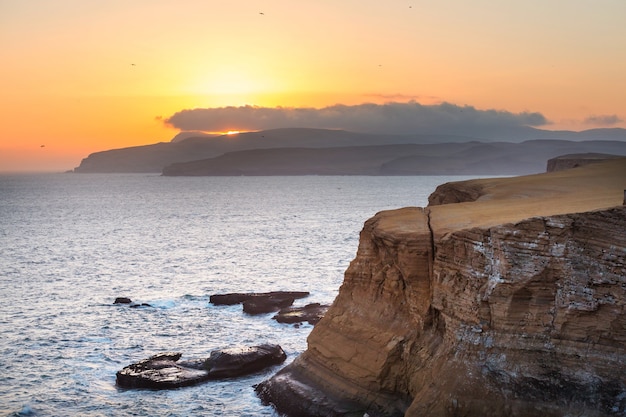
(72, 243)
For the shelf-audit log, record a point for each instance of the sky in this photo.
(79, 76)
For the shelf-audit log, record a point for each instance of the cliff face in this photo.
(488, 307)
(577, 160)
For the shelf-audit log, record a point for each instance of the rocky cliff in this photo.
(508, 301)
(577, 160)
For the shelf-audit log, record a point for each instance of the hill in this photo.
(155, 157)
(470, 158)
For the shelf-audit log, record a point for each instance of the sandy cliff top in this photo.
(510, 200)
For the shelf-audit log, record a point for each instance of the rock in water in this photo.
(311, 313)
(238, 298)
(233, 362)
(266, 304)
(509, 302)
(163, 371)
(160, 372)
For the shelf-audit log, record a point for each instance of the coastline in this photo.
(483, 307)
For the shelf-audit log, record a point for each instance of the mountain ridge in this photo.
(155, 157)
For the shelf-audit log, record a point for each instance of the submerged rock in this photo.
(163, 371)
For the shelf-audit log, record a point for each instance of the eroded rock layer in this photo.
(510, 304)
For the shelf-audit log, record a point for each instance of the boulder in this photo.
(163, 371)
(233, 362)
(311, 313)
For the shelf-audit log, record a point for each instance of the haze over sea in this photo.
(72, 243)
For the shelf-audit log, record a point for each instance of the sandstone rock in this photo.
(228, 363)
(266, 304)
(511, 303)
(238, 298)
(163, 371)
(160, 372)
(311, 313)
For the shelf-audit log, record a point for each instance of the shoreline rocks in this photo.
(259, 303)
(164, 371)
(311, 313)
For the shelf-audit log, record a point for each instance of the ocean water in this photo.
(71, 243)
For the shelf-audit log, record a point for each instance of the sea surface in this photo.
(71, 243)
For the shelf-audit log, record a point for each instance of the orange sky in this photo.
(82, 76)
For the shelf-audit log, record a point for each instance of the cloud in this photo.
(398, 118)
(603, 120)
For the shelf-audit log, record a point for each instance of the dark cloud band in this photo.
(398, 118)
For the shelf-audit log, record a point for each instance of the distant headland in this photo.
(302, 151)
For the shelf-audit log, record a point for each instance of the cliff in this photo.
(577, 160)
(509, 301)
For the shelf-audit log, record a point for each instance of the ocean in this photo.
(71, 243)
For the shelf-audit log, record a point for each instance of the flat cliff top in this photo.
(510, 200)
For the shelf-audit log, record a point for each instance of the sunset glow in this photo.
(82, 77)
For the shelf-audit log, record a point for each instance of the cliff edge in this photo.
(506, 300)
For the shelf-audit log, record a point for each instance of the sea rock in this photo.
(259, 303)
(510, 304)
(228, 363)
(238, 297)
(163, 371)
(137, 305)
(160, 371)
(311, 313)
(266, 304)
(129, 302)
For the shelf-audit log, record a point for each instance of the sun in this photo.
(230, 81)
(232, 132)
